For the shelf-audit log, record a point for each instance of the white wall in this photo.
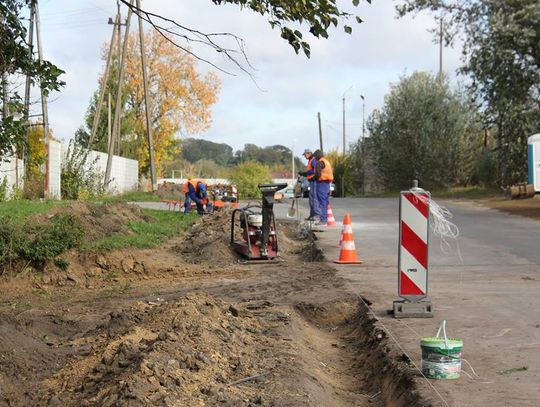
(216, 181)
(54, 169)
(124, 171)
(12, 170)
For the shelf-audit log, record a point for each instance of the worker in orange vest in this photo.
(324, 176)
(314, 210)
(195, 190)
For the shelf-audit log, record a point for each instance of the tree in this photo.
(247, 176)
(198, 149)
(502, 58)
(181, 101)
(285, 15)
(425, 130)
(16, 59)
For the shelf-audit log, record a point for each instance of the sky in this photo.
(279, 104)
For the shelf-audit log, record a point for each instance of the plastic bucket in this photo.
(441, 357)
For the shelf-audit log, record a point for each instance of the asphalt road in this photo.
(486, 284)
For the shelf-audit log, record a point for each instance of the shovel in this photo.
(292, 210)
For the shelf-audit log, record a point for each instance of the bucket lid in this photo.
(435, 342)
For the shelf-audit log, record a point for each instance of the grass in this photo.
(21, 209)
(147, 235)
(135, 196)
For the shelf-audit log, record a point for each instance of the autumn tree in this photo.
(181, 100)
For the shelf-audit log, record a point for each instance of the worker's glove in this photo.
(302, 173)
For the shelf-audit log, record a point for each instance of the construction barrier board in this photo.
(413, 245)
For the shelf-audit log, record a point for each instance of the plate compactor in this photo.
(258, 224)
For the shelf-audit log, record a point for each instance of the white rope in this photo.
(440, 222)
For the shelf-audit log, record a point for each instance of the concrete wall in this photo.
(12, 170)
(124, 172)
(54, 170)
(216, 181)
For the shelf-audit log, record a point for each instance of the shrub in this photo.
(63, 233)
(247, 176)
(81, 179)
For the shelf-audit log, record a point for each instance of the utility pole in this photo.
(44, 108)
(109, 125)
(320, 131)
(4, 95)
(28, 80)
(362, 146)
(118, 106)
(344, 125)
(441, 48)
(147, 102)
(97, 114)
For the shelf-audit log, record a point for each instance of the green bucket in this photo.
(441, 357)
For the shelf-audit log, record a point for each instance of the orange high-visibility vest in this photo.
(326, 174)
(194, 182)
(311, 167)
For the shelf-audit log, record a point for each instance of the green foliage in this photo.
(38, 244)
(319, 15)
(502, 57)
(16, 59)
(247, 176)
(425, 130)
(194, 150)
(4, 190)
(63, 233)
(81, 178)
(272, 156)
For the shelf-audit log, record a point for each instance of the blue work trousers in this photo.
(323, 196)
(192, 196)
(314, 209)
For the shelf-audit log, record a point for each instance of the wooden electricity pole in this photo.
(97, 114)
(44, 108)
(147, 102)
(118, 106)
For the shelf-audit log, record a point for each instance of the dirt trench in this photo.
(167, 330)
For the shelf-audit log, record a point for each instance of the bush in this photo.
(247, 176)
(38, 244)
(81, 178)
(64, 232)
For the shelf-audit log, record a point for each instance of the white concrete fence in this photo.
(124, 172)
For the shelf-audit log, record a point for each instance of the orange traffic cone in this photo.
(347, 253)
(330, 220)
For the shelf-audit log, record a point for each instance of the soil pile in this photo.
(97, 220)
(192, 352)
(209, 240)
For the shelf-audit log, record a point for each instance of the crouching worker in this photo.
(195, 190)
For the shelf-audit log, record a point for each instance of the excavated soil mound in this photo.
(191, 352)
(97, 220)
(209, 240)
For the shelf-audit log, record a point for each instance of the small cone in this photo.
(347, 253)
(330, 221)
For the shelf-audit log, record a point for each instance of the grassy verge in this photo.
(147, 235)
(136, 196)
(22, 209)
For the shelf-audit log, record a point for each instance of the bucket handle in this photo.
(442, 327)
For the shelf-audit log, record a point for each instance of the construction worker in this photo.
(314, 210)
(195, 190)
(323, 176)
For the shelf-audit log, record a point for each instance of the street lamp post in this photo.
(344, 131)
(362, 147)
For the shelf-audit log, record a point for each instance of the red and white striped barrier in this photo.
(413, 245)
